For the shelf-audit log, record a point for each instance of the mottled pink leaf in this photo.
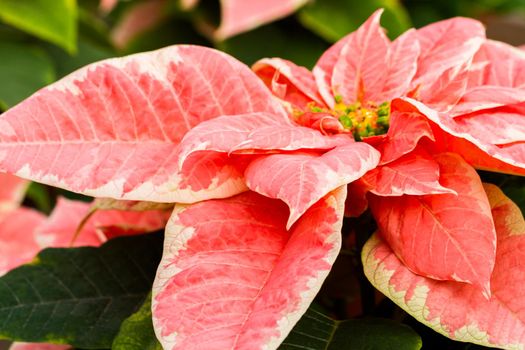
(416, 173)
(238, 16)
(17, 242)
(112, 129)
(138, 19)
(444, 93)
(356, 74)
(443, 236)
(232, 276)
(407, 128)
(502, 65)
(356, 202)
(107, 5)
(60, 229)
(486, 97)
(444, 45)
(301, 179)
(289, 82)
(115, 223)
(473, 154)
(113, 204)
(257, 131)
(401, 66)
(38, 346)
(496, 78)
(489, 139)
(12, 191)
(501, 126)
(459, 310)
(323, 69)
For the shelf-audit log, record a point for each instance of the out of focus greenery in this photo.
(43, 40)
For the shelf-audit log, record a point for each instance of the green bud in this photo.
(346, 121)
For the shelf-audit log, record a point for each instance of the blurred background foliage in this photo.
(43, 40)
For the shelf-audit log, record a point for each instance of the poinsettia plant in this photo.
(263, 164)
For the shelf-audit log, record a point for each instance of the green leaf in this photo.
(39, 196)
(333, 19)
(78, 296)
(316, 331)
(51, 20)
(23, 70)
(137, 332)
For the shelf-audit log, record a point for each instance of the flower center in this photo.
(359, 119)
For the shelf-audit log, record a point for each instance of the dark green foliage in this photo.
(78, 296)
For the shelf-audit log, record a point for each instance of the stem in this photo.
(364, 229)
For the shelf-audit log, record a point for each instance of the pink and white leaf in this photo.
(232, 276)
(107, 5)
(324, 69)
(17, 241)
(407, 128)
(301, 179)
(112, 128)
(138, 19)
(58, 231)
(401, 67)
(442, 236)
(446, 44)
(356, 202)
(114, 204)
(416, 173)
(501, 65)
(487, 97)
(447, 90)
(488, 139)
(62, 229)
(458, 310)
(238, 16)
(254, 132)
(365, 53)
(12, 192)
(289, 82)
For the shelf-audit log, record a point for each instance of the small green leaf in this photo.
(78, 296)
(23, 70)
(51, 20)
(333, 19)
(136, 332)
(316, 331)
(38, 195)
